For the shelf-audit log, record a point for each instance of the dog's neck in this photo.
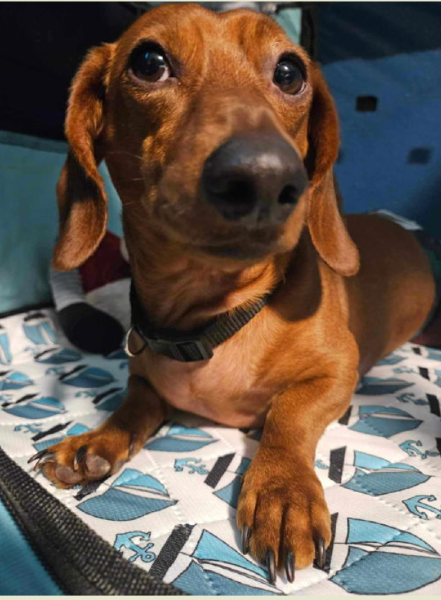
(184, 293)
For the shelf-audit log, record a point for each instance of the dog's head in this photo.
(219, 134)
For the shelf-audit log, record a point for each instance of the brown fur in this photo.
(294, 367)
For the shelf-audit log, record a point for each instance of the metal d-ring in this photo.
(126, 345)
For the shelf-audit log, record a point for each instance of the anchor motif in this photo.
(86, 394)
(409, 397)
(192, 464)
(404, 370)
(128, 541)
(28, 428)
(410, 449)
(55, 371)
(432, 375)
(415, 504)
(320, 464)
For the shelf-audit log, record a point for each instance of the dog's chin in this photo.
(234, 250)
(242, 252)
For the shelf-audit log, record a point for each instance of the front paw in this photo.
(80, 459)
(283, 516)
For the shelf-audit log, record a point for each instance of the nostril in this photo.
(234, 197)
(288, 195)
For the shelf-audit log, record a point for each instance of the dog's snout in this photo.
(255, 178)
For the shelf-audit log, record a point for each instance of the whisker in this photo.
(128, 154)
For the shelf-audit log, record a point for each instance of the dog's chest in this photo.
(228, 388)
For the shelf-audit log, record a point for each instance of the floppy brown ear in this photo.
(82, 201)
(325, 222)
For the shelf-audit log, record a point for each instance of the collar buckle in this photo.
(184, 350)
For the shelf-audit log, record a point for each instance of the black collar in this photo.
(194, 345)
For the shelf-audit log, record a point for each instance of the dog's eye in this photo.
(288, 76)
(148, 63)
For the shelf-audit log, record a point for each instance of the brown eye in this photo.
(148, 63)
(288, 76)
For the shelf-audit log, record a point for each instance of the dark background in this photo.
(41, 46)
(382, 61)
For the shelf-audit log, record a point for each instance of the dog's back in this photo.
(393, 292)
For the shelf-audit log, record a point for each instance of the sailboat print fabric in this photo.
(171, 509)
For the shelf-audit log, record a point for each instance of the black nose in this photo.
(256, 178)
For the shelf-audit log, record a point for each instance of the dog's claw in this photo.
(79, 456)
(38, 455)
(132, 445)
(321, 553)
(41, 457)
(246, 535)
(290, 567)
(48, 456)
(271, 565)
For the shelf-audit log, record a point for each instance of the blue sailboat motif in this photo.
(417, 565)
(384, 421)
(425, 352)
(255, 434)
(230, 493)
(132, 495)
(391, 359)
(38, 328)
(54, 356)
(180, 438)
(76, 429)
(14, 380)
(32, 407)
(118, 354)
(432, 375)
(110, 400)
(218, 569)
(86, 377)
(376, 476)
(375, 386)
(435, 376)
(5, 349)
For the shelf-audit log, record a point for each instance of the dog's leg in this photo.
(282, 511)
(102, 452)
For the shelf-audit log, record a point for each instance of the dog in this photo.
(255, 302)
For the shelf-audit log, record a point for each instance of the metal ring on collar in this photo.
(126, 345)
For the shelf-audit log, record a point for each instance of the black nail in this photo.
(271, 565)
(132, 445)
(39, 455)
(321, 553)
(47, 456)
(290, 567)
(246, 536)
(79, 456)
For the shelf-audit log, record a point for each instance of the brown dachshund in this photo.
(220, 136)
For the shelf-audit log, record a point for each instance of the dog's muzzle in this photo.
(255, 179)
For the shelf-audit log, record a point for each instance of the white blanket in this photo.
(171, 510)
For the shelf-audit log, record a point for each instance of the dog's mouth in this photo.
(199, 234)
(243, 250)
